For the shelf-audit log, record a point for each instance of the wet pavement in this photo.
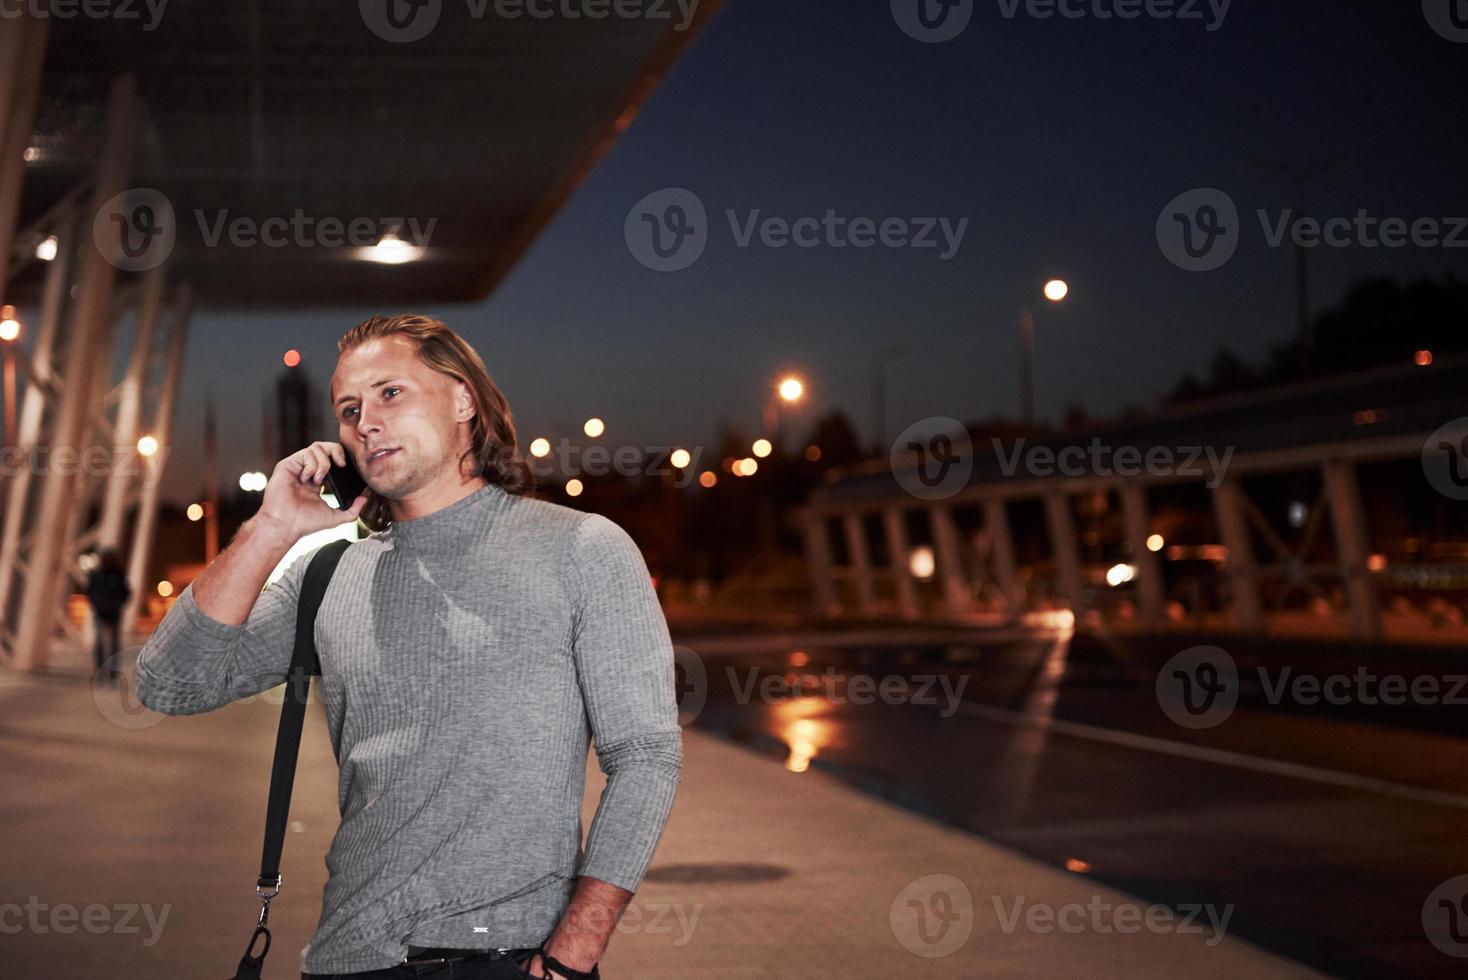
(1327, 827)
(132, 844)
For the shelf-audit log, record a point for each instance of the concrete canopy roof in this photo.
(476, 134)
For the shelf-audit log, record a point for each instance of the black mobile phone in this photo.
(344, 482)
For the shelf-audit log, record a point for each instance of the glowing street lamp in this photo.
(9, 333)
(1055, 290)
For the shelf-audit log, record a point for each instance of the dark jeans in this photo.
(108, 628)
(492, 966)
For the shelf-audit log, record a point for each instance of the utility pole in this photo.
(880, 360)
(1299, 178)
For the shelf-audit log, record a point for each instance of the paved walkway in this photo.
(133, 842)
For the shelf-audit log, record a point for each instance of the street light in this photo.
(788, 389)
(9, 333)
(1056, 290)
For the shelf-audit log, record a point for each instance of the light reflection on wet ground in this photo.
(1060, 750)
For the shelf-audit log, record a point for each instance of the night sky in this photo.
(1059, 140)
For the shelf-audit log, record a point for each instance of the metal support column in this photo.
(125, 460)
(818, 564)
(1001, 543)
(21, 462)
(1352, 547)
(146, 523)
(956, 596)
(22, 53)
(860, 564)
(1138, 520)
(894, 525)
(1060, 524)
(90, 321)
(1243, 574)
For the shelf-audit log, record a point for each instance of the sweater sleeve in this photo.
(624, 663)
(194, 663)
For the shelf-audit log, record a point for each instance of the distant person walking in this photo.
(108, 592)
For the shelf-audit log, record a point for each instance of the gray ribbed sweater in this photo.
(468, 658)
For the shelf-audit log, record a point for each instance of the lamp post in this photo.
(880, 359)
(1055, 291)
(788, 389)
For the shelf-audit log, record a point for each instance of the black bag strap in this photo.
(304, 664)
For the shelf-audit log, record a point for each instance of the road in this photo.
(1325, 827)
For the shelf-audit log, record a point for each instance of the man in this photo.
(470, 648)
(108, 591)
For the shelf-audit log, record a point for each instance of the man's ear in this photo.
(464, 403)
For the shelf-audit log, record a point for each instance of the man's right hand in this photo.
(293, 502)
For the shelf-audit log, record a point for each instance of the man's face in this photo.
(399, 418)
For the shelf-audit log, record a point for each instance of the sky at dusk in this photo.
(1058, 142)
